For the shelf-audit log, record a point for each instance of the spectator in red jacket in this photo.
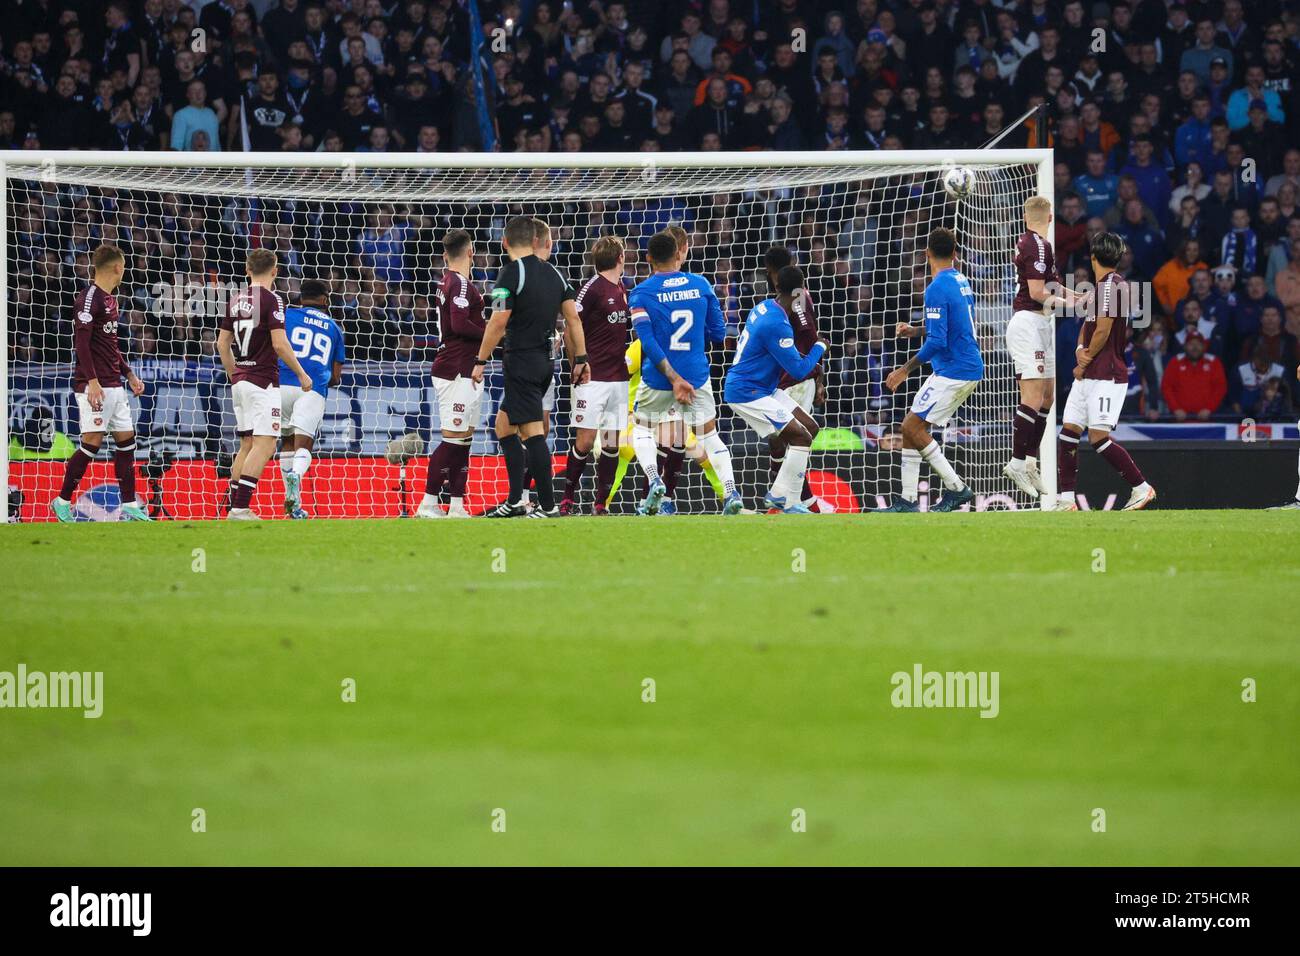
(1194, 384)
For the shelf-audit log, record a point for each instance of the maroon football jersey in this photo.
(803, 319)
(1112, 301)
(253, 314)
(94, 337)
(460, 326)
(1034, 260)
(602, 305)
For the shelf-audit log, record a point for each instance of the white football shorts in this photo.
(658, 405)
(257, 409)
(114, 416)
(460, 403)
(600, 405)
(939, 398)
(1031, 340)
(301, 412)
(1094, 403)
(769, 414)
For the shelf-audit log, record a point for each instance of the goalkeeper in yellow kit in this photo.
(626, 453)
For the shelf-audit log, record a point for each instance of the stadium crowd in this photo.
(1171, 125)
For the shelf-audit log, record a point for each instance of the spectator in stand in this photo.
(1128, 192)
(1192, 140)
(1240, 247)
(1173, 279)
(1188, 224)
(1274, 403)
(1193, 185)
(1284, 251)
(1194, 383)
(1217, 295)
(1143, 241)
(1251, 377)
(1198, 57)
(1152, 180)
(1098, 133)
(1290, 170)
(197, 123)
(1287, 292)
(1071, 231)
(1194, 322)
(1242, 100)
(1216, 209)
(1250, 309)
(1273, 337)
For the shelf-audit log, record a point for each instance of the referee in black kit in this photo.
(529, 294)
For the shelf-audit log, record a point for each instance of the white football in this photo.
(959, 182)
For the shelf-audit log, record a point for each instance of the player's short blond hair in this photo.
(1038, 208)
(260, 262)
(679, 236)
(605, 252)
(106, 255)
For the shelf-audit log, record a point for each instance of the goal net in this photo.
(371, 227)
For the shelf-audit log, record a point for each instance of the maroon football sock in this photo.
(1040, 428)
(1067, 461)
(437, 468)
(75, 470)
(1118, 458)
(574, 468)
(606, 468)
(457, 461)
(1023, 425)
(124, 467)
(673, 459)
(242, 496)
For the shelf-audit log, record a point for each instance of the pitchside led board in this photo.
(858, 219)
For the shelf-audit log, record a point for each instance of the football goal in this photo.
(370, 226)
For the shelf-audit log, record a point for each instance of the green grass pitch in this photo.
(520, 689)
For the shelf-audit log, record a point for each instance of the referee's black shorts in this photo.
(527, 376)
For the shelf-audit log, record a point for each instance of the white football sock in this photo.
(429, 502)
(286, 462)
(911, 473)
(933, 456)
(301, 461)
(647, 452)
(721, 459)
(789, 479)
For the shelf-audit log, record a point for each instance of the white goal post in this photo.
(371, 225)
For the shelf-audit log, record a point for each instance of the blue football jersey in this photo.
(674, 315)
(766, 349)
(950, 344)
(317, 340)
